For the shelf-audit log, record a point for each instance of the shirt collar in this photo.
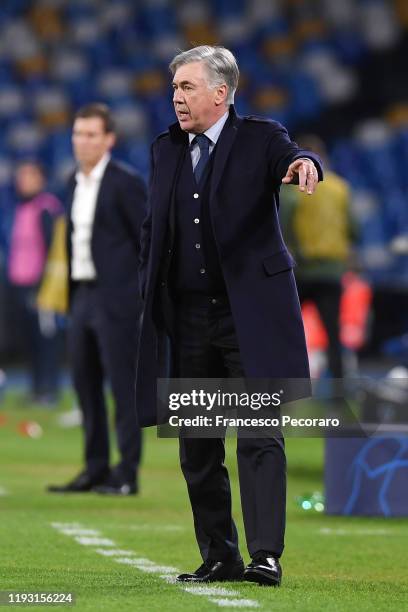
(97, 171)
(213, 132)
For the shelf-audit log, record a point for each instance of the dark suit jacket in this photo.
(251, 158)
(115, 243)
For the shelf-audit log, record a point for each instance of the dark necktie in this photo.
(204, 144)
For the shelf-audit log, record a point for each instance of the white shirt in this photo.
(82, 216)
(213, 133)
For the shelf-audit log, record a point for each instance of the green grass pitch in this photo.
(358, 564)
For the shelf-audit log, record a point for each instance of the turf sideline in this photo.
(93, 537)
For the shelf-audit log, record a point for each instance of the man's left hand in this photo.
(307, 175)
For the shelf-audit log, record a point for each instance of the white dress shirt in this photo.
(82, 216)
(213, 133)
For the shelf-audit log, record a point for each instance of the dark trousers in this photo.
(326, 295)
(104, 346)
(41, 342)
(207, 346)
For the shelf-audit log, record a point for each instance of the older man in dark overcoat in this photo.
(220, 297)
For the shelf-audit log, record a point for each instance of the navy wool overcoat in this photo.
(251, 158)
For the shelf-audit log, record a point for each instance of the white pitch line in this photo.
(80, 532)
(145, 565)
(114, 552)
(158, 569)
(211, 590)
(147, 527)
(235, 603)
(137, 561)
(168, 578)
(85, 541)
(223, 597)
(358, 532)
(3, 492)
(66, 525)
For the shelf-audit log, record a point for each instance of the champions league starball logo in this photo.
(365, 470)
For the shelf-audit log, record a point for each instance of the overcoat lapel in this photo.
(170, 158)
(223, 149)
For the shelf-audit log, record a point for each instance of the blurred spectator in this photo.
(30, 239)
(53, 293)
(318, 230)
(106, 207)
(3, 282)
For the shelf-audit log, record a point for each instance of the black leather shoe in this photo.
(80, 484)
(214, 571)
(264, 570)
(112, 485)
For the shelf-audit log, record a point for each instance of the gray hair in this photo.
(220, 63)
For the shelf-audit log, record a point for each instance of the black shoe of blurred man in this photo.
(114, 485)
(80, 484)
(214, 571)
(264, 570)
